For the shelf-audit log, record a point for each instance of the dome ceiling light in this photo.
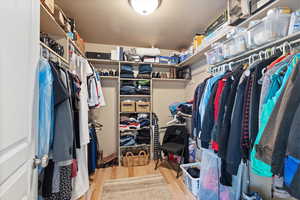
(144, 7)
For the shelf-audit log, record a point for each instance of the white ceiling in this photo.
(114, 22)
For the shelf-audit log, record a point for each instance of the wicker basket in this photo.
(130, 160)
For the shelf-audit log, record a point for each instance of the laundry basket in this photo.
(191, 183)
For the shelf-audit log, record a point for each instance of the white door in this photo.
(19, 54)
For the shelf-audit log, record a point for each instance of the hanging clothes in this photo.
(208, 119)
(233, 155)
(46, 109)
(196, 118)
(273, 143)
(101, 95)
(95, 93)
(278, 82)
(225, 125)
(205, 98)
(92, 150)
(250, 115)
(80, 183)
(292, 160)
(63, 127)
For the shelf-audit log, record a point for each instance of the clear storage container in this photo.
(235, 45)
(191, 183)
(295, 22)
(272, 27)
(215, 54)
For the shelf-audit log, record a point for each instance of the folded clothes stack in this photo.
(185, 108)
(127, 139)
(127, 71)
(141, 87)
(143, 136)
(145, 71)
(128, 90)
(143, 120)
(126, 123)
(129, 124)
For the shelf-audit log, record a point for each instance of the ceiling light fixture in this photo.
(144, 7)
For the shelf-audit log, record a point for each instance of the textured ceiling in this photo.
(114, 22)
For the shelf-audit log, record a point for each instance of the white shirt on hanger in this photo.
(83, 115)
(80, 183)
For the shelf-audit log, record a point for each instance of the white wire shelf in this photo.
(135, 146)
(293, 4)
(135, 112)
(117, 62)
(135, 79)
(170, 79)
(109, 77)
(137, 96)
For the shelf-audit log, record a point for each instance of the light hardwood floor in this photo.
(176, 186)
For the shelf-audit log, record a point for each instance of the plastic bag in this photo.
(210, 187)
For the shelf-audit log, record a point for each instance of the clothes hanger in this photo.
(290, 47)
(230, 66)
(260, 54)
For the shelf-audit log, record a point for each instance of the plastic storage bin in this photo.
(235, 45)
(210, 187)
(215, 54)
(193, 184)
(295, 22)
(272, 27)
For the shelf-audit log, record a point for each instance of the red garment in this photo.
(277, 61)
(215, 146)
(220, 88)
(74, 168)
(221, 84)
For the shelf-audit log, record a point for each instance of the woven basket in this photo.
(130, 160)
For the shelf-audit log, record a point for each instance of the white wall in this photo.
(107, 116)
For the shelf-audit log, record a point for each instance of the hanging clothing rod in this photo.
(290, 41)
(50, 52)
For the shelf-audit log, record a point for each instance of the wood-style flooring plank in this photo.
(176, 186)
